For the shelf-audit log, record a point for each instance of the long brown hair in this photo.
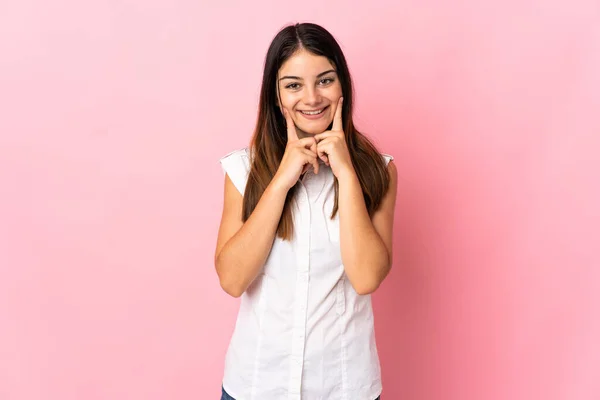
(270, 136)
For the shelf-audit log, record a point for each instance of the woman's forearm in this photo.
(364, 254)
(241, 259)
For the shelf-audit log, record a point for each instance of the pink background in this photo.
(113, 116)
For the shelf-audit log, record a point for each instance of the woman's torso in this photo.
(302, 331)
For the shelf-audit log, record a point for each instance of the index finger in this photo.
(292, 135)
(338, 124)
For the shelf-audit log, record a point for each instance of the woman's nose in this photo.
(312, 97)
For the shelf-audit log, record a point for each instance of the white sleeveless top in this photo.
(302, 331)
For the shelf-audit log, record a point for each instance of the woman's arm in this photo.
(243, 248)
(366, 243)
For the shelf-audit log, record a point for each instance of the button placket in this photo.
(302, 230)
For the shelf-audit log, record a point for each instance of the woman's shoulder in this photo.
(236, 165)
(387, 158)
(239, 153)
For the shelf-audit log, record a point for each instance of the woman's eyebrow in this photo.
(300, 79)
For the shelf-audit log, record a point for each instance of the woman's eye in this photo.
(326, 81)
(293, 86)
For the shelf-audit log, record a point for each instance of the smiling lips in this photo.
(312, 114)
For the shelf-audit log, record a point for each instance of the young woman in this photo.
(306, 233)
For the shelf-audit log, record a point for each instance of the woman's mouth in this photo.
(313, 114)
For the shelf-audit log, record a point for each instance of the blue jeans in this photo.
(225, 396)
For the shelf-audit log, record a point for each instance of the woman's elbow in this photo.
(231, 290)
(229, 286)
(366, 288)
(369, 284)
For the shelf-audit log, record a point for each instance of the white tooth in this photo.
(312, 112)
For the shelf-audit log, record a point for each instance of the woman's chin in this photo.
(314, 129)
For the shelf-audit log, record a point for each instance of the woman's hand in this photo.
(332, 148)
(299, 155)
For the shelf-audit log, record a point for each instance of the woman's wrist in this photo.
(276, 187)
(348, 176)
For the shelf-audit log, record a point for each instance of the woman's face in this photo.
(309, 90)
